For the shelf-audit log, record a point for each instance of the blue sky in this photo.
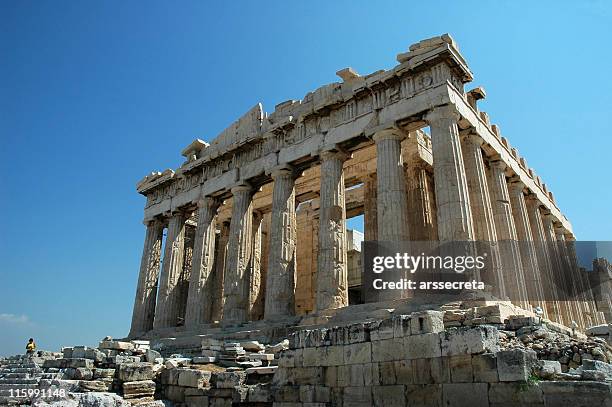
(94, 95)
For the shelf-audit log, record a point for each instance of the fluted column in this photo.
(543, 257)
(392, 207)
(256, 305)
(482, 211)
(219, 271)
(280, 285)
(421, 215)
(199, 299)
(370, 208)
(332, 279)
(452, 200)
(167, 312)
(556, 267)
(146, 290)
(527, 248)
(571, 302)
(514, 279)
(236, 283)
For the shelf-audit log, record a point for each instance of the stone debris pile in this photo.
(407, 358)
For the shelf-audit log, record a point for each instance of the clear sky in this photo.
(94, 95)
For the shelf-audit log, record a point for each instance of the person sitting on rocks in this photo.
(30, 347)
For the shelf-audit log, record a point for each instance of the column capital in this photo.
(208, 201)
(241, 188)
(516, 184)
(150, 222)
(473, 138)
(281, 171)
(498, 163)
(389, 134)
(448, 112)
(532, 199)
(334, 155)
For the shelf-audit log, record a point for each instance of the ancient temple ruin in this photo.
(255, 221)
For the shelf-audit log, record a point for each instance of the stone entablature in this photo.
(337, 115)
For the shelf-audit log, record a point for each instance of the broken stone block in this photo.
(194, 378)
(356, 333)
(263, 370)
(200, 360)
(96, 385)
(381, 330)
(401, 326)
(515, 322)
(461, 341)
(599, 366)
(119, 359)
(152, 355)
(277, 347)
(116, 345)
(426, 322)
(515, 365)
(141, 388)
(547, 369)
(228, 380)
(100, 373)
(132, 372)
(252, 346)
(78, 373)
(261, 356)
(422, 346)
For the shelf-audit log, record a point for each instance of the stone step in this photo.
(15, 376)
(19, 381)
(20, 365)
(22, 370)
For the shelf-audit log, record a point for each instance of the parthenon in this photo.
(255, 221)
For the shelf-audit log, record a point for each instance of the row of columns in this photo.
(473, 201)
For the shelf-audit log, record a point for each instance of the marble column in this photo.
(538, 233)
(482, 211)
(219, 271)
(280, 285)
(256, 308)
(556, 267)
(332, 279)
(527, 248)
(146, 291)
(392, 200)
(452, 199)
(514, 279)
(236, 279)
(567, 277)
(370, 216)
(421, 215)
(199, 299)
(167, 312)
